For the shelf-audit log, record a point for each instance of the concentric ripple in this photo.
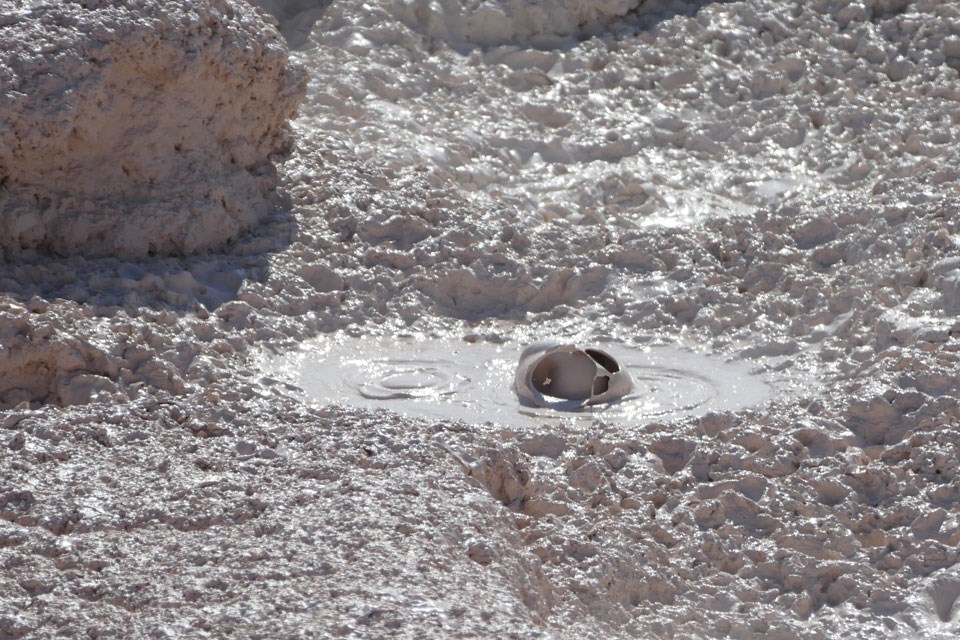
(450, 379)
(386, 379)
(663, 389)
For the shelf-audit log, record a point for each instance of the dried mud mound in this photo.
(37, 363)
(138, 127)
(804, 155)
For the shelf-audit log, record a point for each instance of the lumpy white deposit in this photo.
(769, 185)
(135, 128)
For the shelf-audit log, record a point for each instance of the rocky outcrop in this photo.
(136, 127)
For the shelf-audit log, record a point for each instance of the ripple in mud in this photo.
(400, 379)
(450, 379)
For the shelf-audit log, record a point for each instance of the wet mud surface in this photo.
(474, 382)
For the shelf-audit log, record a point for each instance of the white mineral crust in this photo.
(769, 182)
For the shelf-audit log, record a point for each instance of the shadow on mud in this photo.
(180, 283)
(652, 12)
(295, 18)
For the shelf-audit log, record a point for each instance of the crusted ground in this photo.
(178, 491)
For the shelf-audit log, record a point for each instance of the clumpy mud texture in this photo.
(769, 184)
(36, 364)
(140, 127)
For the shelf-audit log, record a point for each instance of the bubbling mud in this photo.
(473, 382)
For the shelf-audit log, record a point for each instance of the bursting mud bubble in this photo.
(474, 382)
(755, 192)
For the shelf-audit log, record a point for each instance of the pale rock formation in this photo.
(136, 126)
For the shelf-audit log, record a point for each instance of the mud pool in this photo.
(473, 382)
